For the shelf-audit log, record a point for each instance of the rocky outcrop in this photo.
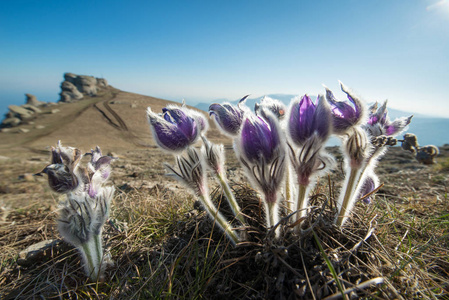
(32, 100)
(75, 87)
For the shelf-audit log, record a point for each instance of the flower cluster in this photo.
(87, 205)
(281, 149)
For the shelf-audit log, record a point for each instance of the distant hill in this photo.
(430, 130)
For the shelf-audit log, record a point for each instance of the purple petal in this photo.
(368, 186)
(397, 126)
(259, 139)
(228, 117)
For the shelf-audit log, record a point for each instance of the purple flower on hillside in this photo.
(228, 117)
(175, 130)
(307, 120)
(61, 171)
(379, 123)
(275, 106)
(345, 115)
(260, 139)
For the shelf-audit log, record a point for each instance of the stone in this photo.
(23, 130)
(20, 112)
(6, 130)
(55, 110)
(133, 105)
(32, 100)
(102, 83)
(32, 108)
(36, 252)
(69, 92)
(70, 77)
(86, 85)
(39, 126)
(11, 122)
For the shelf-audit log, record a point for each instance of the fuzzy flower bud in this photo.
(228, 117)
(275, 106)
(345, 116)
(379, 122)
(175, 130)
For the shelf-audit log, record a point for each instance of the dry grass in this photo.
(162, 248)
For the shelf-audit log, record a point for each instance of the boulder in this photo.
(36, 252)
(70, 77)
(20, 112)
(32, 100)
(86, 85)
(102, 83)
(23, 130)
(69, 92)
(11, 122)
(32, 108)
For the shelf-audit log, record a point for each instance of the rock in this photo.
(102, 83)
(32, 108)
(32, 100)
(69, 92)
(70, 77)
(4, 157)
(28, 177)
(54, 111)
(20, 112)
(5, 130)
(36, 252)
(11, 122)
(23, 130)
(133, 105)
(39, 126)
(86, 85)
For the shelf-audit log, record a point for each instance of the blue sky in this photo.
(206, 50)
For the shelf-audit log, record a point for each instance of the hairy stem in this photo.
(271, 210)
(219, 219)
(90, 260)
(349, 189)
(301, 205)
(230, 197)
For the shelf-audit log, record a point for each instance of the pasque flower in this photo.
(379, 122)
(86, 209)
(370, 183)
(275, 106)
(309, 126)
(63, 169)
(228, 117)
(261, 149)
(345, 115)
(175, 129)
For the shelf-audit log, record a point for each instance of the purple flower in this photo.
(379, 123)
(228, 117)
(345, 115)
(370, 183)
(260, 139)
(307, 120)
(99, 170)
(61, 171)
(175, 130)
(273, 105)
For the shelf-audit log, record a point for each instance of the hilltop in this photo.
(111, 118)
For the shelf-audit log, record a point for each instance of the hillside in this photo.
(114, 120)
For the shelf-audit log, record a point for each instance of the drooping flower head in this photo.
(175, 130)
(344, 114)
(62, 177)
(379, 122)
(307, 120)
(275, 106)
(228, 117)
(214, 156)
